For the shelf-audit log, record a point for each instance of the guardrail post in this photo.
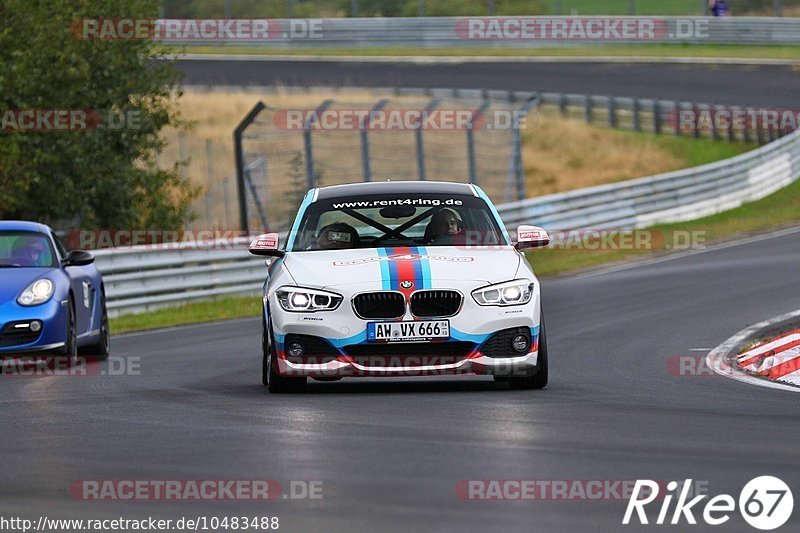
(696, 111)
(637, 119)
(759, 125)
(678, 118)
(778, 12)
(612, 111)
(656, 117)
(473, 172)
(746, 133)
(714, 131)
(731, 131)
(631, 7)
(418, 138)
(562, 103)
(588, 110)
(365, 159)
(311, 177)
(239, 154)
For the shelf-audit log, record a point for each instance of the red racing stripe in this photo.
(405, 269)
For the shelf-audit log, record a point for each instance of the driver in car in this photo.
(445, 224)
(29, 252)
(337, 236)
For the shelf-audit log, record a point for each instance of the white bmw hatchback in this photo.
(401, 279)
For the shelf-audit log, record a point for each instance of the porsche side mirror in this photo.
(531, 237)
(78, 258)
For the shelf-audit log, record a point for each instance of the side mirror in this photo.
(531, 237)
(78, 258)
(266, 245)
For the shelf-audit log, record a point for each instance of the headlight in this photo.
(517, 292)
(299, 299)
(37, 293)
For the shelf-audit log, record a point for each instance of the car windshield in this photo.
(404, 220)
(25, 249)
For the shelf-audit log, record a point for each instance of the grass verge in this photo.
(196, 312)
(779, 209)
(624, 50)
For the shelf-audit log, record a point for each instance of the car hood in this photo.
(14, 280)
(425, 266)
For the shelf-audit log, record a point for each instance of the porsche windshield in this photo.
(383, 221)
(22, 249)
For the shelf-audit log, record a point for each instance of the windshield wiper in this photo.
(8, 265)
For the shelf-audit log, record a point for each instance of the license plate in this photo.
(408, 331)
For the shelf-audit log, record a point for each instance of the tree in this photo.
(104, 178)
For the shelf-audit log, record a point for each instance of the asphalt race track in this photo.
(754, 85)
(390, 452)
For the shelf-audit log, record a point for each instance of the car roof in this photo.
(23, 225)
(394, 187)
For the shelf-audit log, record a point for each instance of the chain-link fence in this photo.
(445, 136)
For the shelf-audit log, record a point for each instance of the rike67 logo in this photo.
(765, 503)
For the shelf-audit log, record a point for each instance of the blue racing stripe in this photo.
(425, 268)
(386, 275)
(296, 226)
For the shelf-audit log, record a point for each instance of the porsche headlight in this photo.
(517, 292)
(300, 299)
(37, 293)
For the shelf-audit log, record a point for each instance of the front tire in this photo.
(69, 351)
(100, 350)
(270, 377)
(539, 379)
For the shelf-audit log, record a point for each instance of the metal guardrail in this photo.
(144, 278)
(438, 32)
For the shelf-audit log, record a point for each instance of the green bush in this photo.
(100, 178)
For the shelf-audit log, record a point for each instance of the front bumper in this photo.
(345, 366)
(53, 318)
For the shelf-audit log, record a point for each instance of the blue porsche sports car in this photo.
(51, 301)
